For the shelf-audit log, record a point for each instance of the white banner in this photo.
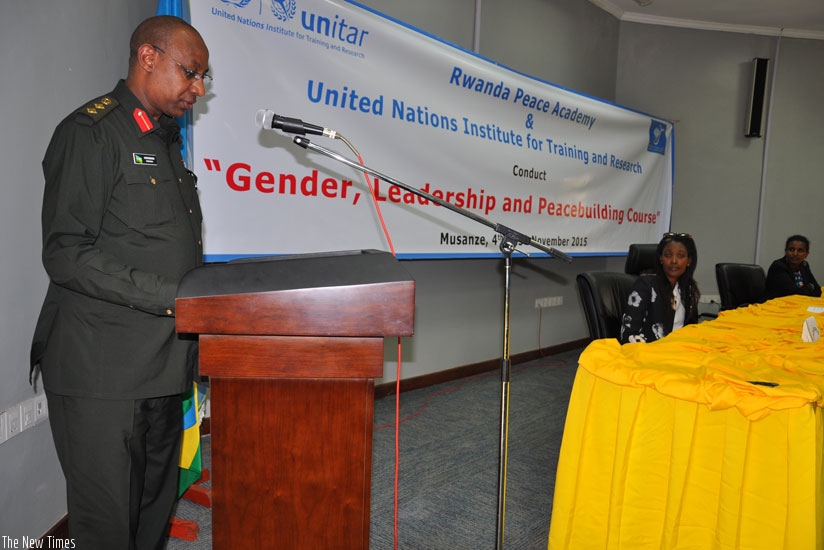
(572, 172)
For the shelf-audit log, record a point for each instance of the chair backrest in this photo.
(740, 284)
(604, 295)
(641, 258)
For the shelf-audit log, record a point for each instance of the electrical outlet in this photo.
(13, 423)
(2, 426)
(549, 301)
(41, 409)
(710, 299)
(27, 418)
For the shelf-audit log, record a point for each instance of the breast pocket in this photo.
(146, 201)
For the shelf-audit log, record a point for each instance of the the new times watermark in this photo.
(26, 542)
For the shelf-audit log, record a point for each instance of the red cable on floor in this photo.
(397, 445)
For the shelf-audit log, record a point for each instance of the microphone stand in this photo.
(510, 239)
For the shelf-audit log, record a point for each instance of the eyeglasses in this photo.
(190, 74)
(682, 235)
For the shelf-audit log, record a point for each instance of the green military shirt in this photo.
(121, 225)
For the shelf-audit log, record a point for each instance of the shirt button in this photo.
(169, 312)
(154, 181)
(190, 211)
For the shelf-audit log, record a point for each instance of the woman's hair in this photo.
(689, 288)
(800, 238)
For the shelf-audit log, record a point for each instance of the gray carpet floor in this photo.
(449, 451)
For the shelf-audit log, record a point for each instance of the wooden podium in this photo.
(292, 346)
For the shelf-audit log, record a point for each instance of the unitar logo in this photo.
(336, 28)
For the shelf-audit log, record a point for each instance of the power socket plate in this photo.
(41, 409)
(549, 301)
(27, 418)
(13, 424)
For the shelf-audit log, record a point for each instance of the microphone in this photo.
(268, 120)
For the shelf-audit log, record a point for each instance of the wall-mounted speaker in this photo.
(758, 93)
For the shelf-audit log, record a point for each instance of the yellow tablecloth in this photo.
(670, 445)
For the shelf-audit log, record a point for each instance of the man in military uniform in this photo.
(121, 225)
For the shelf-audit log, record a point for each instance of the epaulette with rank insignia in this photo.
(96, 109)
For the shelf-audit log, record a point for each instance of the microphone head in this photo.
(263, 119)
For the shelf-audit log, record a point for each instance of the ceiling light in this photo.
(644, 3)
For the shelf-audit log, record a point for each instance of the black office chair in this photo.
(641, 258)
(740, 284)
(604, 295)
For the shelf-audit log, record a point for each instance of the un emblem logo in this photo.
(284, 10)
(238, 3)
(657, 137)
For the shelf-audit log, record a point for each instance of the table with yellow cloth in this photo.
(710, 438)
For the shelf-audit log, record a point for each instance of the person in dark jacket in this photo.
(121, 226)
(667, 300)
(791, 274)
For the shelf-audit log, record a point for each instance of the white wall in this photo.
(795, 194)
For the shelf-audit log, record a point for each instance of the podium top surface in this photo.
(300, 271)
(360, 293)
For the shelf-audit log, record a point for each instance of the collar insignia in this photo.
(143, 120)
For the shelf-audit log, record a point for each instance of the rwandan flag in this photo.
(191, 466)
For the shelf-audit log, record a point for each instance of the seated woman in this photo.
(667, 300)
(791, 274)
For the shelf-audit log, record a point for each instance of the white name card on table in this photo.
(809, 331)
